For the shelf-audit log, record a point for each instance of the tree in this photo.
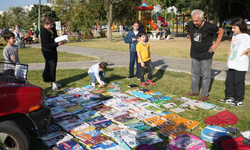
(15, 16)
(33, 15)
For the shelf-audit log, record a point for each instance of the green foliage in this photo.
(33, 15)
(15, 16)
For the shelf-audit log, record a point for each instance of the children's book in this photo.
(68, 145)
(164, 98)
(94, 141)
(218, 109)
(108, 131)
(88, 115)
(126, 137)
(171, 130)
(82, 129)
(169, 105)
(87, 135)
(150, 140)
(132, 85)
(152, 99)
(177, 110)
(104, 145)
(138, 130)
(102, 124)
(156, 93)
(160, 102)
(156, 121)
(162, 113)
(96, 119)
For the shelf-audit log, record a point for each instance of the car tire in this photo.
(13, 136)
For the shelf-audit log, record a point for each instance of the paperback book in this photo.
(94, 141)
(138, 130)
(156, 121)
(177, 110)
(104, 145)
(160, 102)
(88, 115)
(82, 129)
(150, 140)
(108, 131)
(171, 130)
(152, 99)
(68, 145)
(102, 124)
(87, 135)
(164, 98)
(169, 105)
(126, 137)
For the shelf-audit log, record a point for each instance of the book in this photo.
(116, 83)
(55, 140)
(171, 130)
(72, 126)
(152, 99)
(102, 123)
(103, 109)
(114, 113)
(126, 137)
(191, 108)
(99, 91)
(75, 109)
(156, 93)
(164, 97)
(132, 85)
(150, 140)
(68, 145)
(138, 130)
(87, 86)
(160, 102)
(94, 141)
(177, 110)
(87, 135)
(144, 114)
(61, 114)
(96, 119)
(108, 131)
(156, 121)
(104, 145)
(149, 92)
(162, 113)
(218, 109)
(169, 105)
(185, 105)
(62, 38)
(56, 109)
(81, 129)
(145, 134)
(133, 125)
(153, 108)
(65, 120)
(88, 115)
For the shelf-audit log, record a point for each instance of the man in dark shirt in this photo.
(202, 49)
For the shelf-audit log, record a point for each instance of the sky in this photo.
(5, 4)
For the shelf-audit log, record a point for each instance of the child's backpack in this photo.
(224, 117)
(186, 142)
(218, 141)
(145, 147)
(211, 133)
(235, 144)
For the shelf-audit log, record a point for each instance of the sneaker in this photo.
(130, 77)
(138, 77)
(104, 83)
(93, 84)
(236, 103)
(227, 100)
(150, 82)
(143, 84)
(54, 87)
(58, 84)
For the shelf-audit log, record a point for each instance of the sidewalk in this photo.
(121, 59)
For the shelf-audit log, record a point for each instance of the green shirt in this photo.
(36, 29)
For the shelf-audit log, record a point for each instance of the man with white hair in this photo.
(36, 30)
(202, 50)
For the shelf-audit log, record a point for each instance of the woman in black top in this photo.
(49, 50)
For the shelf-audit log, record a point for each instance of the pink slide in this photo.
(152, 24)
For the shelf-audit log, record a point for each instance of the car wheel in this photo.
(13, 136)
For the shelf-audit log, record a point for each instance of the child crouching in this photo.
(98, 70)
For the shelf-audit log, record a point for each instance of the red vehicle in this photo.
(22, 106)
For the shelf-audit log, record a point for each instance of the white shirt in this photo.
(240, 43)
(136, 32)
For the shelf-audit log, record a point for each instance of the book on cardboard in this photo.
(150, 140)
(169, 105)
(68, 145)
(164, 98)
(172, 131)
(102, 123)
(88, 115)
(87, 135)
(177, 110)
(160, 102)
(95, 140)
(156, 121)
(105, 145)
(152, 99)
(126, 137)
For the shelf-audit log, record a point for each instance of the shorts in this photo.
(37, 34)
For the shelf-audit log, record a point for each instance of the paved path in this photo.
(119, 59)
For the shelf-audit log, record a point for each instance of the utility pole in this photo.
(39, 10)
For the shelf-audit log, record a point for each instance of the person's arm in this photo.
(45, 38)
(245, 52)
(216, 44)
(139, 55)
(129, 39)
(96, 73)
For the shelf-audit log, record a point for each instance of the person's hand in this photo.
(142, 64)
(61, 43)
(138, 40)
(134, 39)
(213, 48)
(244, 53)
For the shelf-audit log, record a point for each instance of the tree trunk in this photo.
(109, 23)
(216, 12)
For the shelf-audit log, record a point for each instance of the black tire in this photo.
(14, 136)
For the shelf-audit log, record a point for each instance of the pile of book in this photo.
(95, 117)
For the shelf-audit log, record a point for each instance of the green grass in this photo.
(167, 82)
(177, 47)
(34, 55)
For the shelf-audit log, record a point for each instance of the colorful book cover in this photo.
(68, 145)
(104, 109)
(108, 131)
(152, 99)
(143, 90)
(57, 140)
(74, 109)
(150, 140)
(99, 91)
(153, 108)
(156, 93)
(145, 134)
(56, 109)
(61, 114)
(66, 120)
(87, 135)
(133, 125)
(102, 124)
(113, 114)
(88, 115)
(96, 119)
(169, 105)
(156, 121)
(177, 110)
(82, 129)
(144, 114)
(162, 113)
(138, 130)
(126, 137)
(160, 102)
(149, 92)
(95, 140)
(105, 145)
(87, 86)
(172, 131)
(164, 98)
(72, 126)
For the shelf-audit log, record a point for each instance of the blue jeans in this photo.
(101, 73)
(133, 60)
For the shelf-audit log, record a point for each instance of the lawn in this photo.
(177, 47)
(167, 82)
(34, 55)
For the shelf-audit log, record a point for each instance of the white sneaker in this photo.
(104, 83)
(58, 84)
(93, 84)
(54, 87)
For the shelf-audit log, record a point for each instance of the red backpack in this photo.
(224, 117)
(234, 144)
